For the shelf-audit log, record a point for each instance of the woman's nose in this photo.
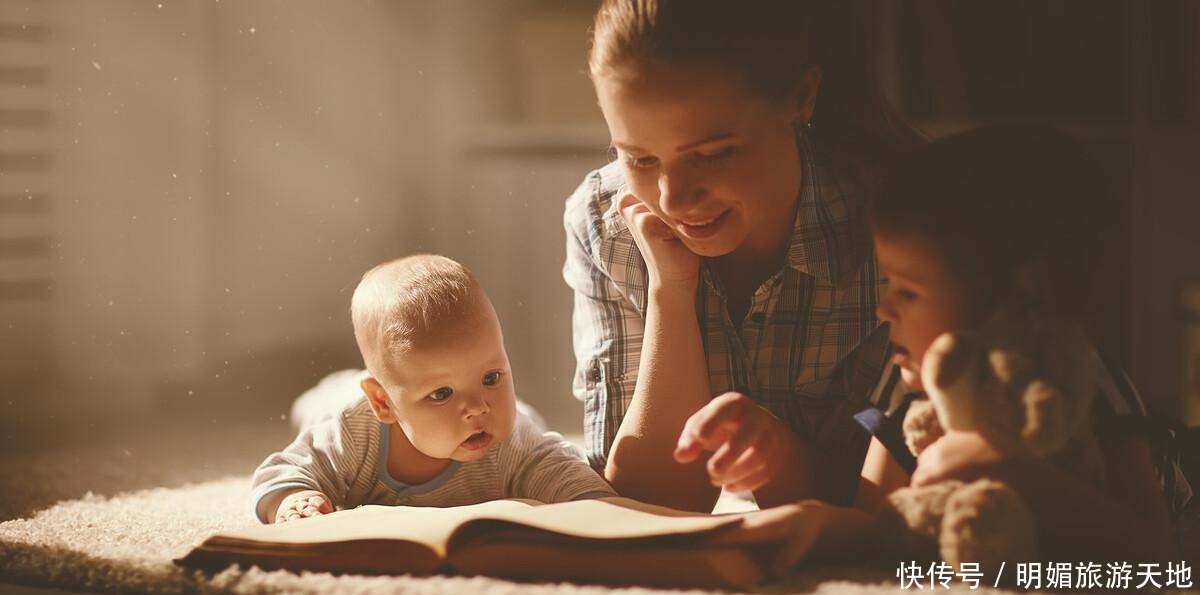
(677, 193)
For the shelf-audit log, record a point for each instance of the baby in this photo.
(438, 425)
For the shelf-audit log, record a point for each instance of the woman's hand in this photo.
(749, 444)
(669, 262)
(951, 454)
(804, 530)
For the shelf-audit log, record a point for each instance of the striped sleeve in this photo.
(543, 466)
(607, 327)
(323, 457)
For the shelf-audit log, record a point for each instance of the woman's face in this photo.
(716, 162)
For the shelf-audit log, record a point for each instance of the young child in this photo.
(439, 425)
(960, 226)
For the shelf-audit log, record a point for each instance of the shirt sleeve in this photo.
(884, 417)
(607, 327)
(543, 466)
(324, 457)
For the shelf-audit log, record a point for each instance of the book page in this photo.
(612, 518)
(426, 525)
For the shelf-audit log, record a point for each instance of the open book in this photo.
(614, 541)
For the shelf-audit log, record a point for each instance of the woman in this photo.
(722, 252)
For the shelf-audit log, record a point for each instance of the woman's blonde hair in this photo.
(771, 43)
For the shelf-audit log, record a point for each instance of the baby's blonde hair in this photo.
(398, 302)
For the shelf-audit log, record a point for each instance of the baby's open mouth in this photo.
(477, 441)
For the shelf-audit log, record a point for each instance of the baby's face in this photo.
(924, 299)
(453, 395)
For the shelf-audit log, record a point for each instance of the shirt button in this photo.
(758, 317)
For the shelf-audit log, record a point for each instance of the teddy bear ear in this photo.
(1010, 367)
(1046, 424)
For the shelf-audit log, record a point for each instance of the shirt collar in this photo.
(828, 237)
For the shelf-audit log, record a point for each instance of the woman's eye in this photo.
(491, 379)
(906, 295)
(640, 162)
(711, 160)
(441, 395)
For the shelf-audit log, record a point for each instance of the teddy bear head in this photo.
(1024, 379)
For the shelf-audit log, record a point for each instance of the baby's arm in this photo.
(309, 477)
(881, 475)
(286, 505)
(545, 467)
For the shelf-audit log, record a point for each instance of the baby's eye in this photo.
(440, 395)
(491, 379)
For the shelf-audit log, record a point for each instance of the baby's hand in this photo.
(302, 504)
(749, 443)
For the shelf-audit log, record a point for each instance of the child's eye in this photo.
(440, 395)
(906, 295)
(491, 379)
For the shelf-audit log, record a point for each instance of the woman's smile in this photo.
(699, 229)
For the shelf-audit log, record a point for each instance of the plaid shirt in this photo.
(809, 349)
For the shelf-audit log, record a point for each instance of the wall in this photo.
(225, 171)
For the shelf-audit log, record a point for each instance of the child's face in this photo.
(924, 299)
(453, 395)
(715, 162)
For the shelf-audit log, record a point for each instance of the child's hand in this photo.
(749, 443)
(951, 454)
(302, 504)
(668, 261)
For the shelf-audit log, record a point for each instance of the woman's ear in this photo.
(804, 96)
(377, 397)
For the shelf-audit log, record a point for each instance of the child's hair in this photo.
(771, 43)
(398, 302)
(1007, 207)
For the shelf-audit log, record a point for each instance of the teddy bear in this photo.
(1024, 380)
